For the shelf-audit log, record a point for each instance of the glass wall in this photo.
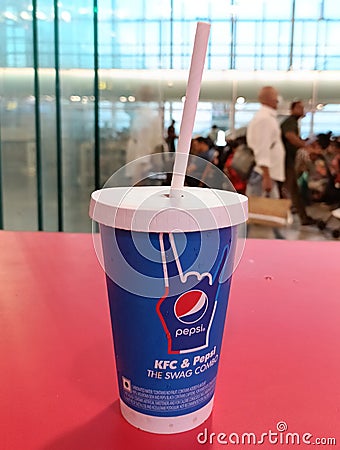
(78, 80)
(148, 34)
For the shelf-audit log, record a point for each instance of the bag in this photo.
(274, 212)
(243, 161)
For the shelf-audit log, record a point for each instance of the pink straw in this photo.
(190, 107)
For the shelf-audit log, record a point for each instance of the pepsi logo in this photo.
(191, 306)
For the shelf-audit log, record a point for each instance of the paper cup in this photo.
(168, 264)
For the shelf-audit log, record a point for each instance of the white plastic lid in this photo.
(150, 209)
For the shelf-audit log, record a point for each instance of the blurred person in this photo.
(146, 137)
(223, 148)
(327, 170)
(318, 179)
(335, 162)
(330, 147)
(324, 139)
(304, 162)
(204, 153)
(292, 142)
(264, 137)
(213, 176)
(171, 136)
(213, 133)
(239, 184)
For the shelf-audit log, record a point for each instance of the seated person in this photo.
(318, 179)
(239, 184)
(201, 154)
(332, 194)
(333, 159)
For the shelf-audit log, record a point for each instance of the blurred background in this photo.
(86, 86)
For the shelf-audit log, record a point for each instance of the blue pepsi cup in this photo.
(169, 264)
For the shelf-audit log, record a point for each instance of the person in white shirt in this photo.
(264, 137)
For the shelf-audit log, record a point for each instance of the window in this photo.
(308, 9)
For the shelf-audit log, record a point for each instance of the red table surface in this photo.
(280, 358)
